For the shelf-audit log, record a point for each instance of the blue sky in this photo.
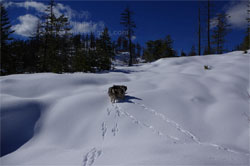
(154, 19)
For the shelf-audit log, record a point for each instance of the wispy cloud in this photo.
(133, 37)
(27, 25)
(38, 6)
(85, 26)
(237, 14)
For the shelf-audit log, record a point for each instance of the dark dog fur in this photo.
(117, 92)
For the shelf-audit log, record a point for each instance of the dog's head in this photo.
(121, 89)
(124, 88)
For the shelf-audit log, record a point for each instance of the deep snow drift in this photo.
(175, 113)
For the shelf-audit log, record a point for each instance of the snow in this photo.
(175, 113)
(121, 59)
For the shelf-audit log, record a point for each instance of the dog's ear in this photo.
(124, 88)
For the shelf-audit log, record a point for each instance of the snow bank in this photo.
(175, 113)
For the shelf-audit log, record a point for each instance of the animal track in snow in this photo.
(104, 130)
(91, 156)
(186, 132)
(171, 122)
(108, 111)
(115, 129)
(142, 124)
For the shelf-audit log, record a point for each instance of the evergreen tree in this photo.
(219, 33)
(199, 31)
(129, 24)
(105, 50)
(125, 45)
(86, 42)
(92, 41)
(148, 53)
(56, 41)
(37, 47)
(119, 43)
(5, 28)
(159, 49)
(246, 41)
(208, 26)
(49, 42)
(138, 50)
(209, 7)
(183, 53)
(192, 51)
(169, 47)
(79, 60)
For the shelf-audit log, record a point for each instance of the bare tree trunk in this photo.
(130, 48)
(199, 43)
(208, 27)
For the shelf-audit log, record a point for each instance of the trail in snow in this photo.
(169, 121)
(104, 130)
(186, 132)
(91, 156)
(116, 117)
(142, 124)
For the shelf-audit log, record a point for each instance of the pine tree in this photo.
(169, 47)
(49, 42)
(129, 25)
(86, 42)
(210, 10)
(192, 51)
(105, 50)
(5, 28)
(36, 42)
(183, 53)
(119, 43)
(56, 41)
(79, 60)
(138, 50)
(219, 33)
(246, 42)
(125, 45)
(92, 41)
(208, 26)
(157, 49)
(199, 31)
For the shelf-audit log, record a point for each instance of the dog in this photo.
(117, 92)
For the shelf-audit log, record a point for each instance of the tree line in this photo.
(53, 47)
(215, 36)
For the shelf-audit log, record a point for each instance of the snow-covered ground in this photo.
(175, 113)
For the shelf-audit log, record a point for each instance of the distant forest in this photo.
(53, 48)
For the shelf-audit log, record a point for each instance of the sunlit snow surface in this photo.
(175, 113)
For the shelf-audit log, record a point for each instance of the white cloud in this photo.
(213, 23)
(237, 15)
(38, 6)
(27, 25)
(133, 37)
(58, 10)
(86, 27)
